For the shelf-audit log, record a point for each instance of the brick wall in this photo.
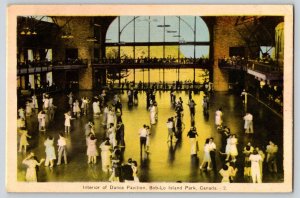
(81, 28)
(225, 36)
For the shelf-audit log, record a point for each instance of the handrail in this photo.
(202, 61)
(255, 65)
(38, 64)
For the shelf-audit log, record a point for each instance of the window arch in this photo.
(158, 36)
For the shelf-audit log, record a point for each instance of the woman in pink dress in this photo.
(92, 151)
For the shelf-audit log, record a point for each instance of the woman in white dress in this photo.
(96, 108)
(135, 170)
(76, 109)
(21, 123)
(46, 102)
(152, 110)
(206, 158)
(233, 152)
(227, 148)
(70, 96)
(111, 117)
(84, 105)
(224, 172)
(111, 134)
(68, 119)
(42, 121)
(34, 102)
(31, 164)
(92, 151)
(248, 126)
(28, 108)
(104, 118)
(21, 112)
(50, 151)
(106, 155)
(218, 118)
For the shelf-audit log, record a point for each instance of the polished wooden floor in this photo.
(164, 163)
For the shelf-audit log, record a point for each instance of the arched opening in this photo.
(159, 41)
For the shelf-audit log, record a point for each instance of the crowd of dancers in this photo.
(108, 109)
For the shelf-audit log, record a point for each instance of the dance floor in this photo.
(165, 162)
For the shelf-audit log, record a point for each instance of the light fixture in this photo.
(67, 32)
(28, 27)
(171, 31)
(91, 39)
(97, 25)
(163, 25)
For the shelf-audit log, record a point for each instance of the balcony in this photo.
(34, 67)
(264, 70)
(167, 63)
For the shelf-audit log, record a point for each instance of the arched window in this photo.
(158, 36)
(162, 39)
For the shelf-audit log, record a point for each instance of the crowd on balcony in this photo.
(232, 61)
(154, 60)
(46, 63)
(243, 62)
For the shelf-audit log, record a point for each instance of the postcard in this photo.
(149, 98)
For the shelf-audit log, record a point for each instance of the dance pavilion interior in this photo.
(233, 62)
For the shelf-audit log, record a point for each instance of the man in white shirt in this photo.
(255, 158)
(143, 133)
(244, 95)
(170, 126)
(248, 126)
(61, 143)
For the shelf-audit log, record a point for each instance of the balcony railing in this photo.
(266, 70)
(142, 62)
(32, 67)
